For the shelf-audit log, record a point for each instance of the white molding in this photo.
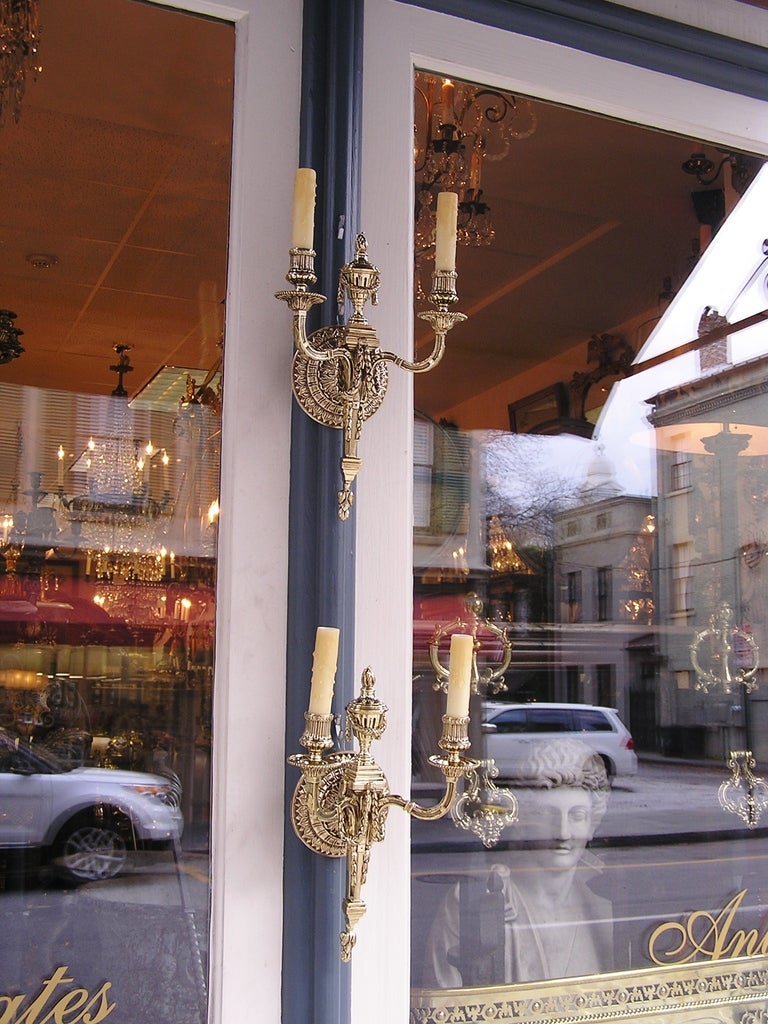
(397, 38)
(249, 689)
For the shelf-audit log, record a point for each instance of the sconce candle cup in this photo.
(340, 374)
(340, 804)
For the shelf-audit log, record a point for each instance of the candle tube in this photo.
(323, 670)
(60, 457)
(447, 99)
(303, 209)
(445, 232)
(459, 675)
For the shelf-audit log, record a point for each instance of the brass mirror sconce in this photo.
(340, 804)
(340, 373)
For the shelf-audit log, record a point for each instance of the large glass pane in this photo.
(590, 486)
(114, 195)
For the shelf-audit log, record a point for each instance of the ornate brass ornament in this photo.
(341, 802)
(744, 793)
(340, 374)
(483, 808)
(489, 679)
(718, 654)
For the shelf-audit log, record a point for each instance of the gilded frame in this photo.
(730, 991)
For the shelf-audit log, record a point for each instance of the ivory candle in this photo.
(303, 235)
(445, 231)
(459, 675)
(323, 670)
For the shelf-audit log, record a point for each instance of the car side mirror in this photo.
(489, 727)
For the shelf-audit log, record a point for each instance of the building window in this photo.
(680, 471)
(682, 580)
(573, 528)
(574, 675)
(606, 689)
(573, 584)
(604, 580)
(602, 520)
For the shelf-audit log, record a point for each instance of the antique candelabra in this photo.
(340, 373)
(340, 804)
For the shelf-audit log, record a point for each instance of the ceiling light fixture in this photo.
(458, 126)
(19, 37)
(743, 169)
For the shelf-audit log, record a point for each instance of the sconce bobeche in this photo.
(340, 373)
(340, 804)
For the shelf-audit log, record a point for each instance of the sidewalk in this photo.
(667, 801)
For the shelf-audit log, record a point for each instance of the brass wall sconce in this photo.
(485, 680)
(340, 373)
(744, 793)
(340, 804)
(719, 654)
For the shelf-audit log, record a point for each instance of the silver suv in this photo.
(507, 727)
(84, 819)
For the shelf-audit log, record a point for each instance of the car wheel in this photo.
(610, 771)
(89, 851)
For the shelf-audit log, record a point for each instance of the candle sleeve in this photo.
(445, 232)
(460, 675)
(303, 232)
(323, 670)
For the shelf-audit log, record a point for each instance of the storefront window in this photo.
(598, 479)
(114, 200)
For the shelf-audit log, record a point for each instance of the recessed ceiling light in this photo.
(42, 260)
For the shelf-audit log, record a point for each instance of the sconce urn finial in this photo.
(340, 373)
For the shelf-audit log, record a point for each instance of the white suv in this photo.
(84, 819)
(507, 726)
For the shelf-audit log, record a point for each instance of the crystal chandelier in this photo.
(122, 526)
(458, 127)
(19, 37)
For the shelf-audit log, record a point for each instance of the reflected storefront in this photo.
(114, 207)
(602, 538)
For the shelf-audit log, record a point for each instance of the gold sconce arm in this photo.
(483, 681)
(340, 804)
(340, 375)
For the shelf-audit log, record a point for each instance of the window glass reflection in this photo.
(114, 210)
(600, 448)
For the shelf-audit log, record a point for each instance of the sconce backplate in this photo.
(323, 837)
(320, 386)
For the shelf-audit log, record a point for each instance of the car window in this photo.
(592, 721)
(511, 721)
(549, 720)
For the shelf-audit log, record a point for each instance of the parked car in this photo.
(507, 727)
(84, 820)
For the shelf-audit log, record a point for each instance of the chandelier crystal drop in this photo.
(19, 39)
